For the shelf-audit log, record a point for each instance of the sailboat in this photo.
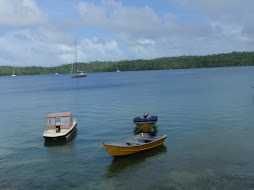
(13, 75)
(117, 70)
(78, 73)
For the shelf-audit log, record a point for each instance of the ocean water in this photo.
(206, 113)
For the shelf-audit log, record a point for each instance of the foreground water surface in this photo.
(206, 113)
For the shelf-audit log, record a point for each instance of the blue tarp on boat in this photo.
(139, 120)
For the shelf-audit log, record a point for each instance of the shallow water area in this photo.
(207, 115)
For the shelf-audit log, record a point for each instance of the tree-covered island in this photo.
(181, 62)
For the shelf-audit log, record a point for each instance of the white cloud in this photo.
(24, 49)
(99, 50)
(20, 13)
(231, 21)
(28, 47)
(146, 42)
(234, 10)
(118, 18)
(113, 31)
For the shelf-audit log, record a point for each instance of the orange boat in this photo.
(137, 143)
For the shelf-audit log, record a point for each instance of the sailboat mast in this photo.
(76, 54)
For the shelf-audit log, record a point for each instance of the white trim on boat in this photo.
(51, 133)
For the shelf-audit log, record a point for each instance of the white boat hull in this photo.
(64, 133)
(78, 75)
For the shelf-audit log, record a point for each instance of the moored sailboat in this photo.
(78, 73)
(13, 75)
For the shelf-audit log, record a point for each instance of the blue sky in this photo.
(42, 32)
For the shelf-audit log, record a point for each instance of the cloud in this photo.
(27, 47)
(110, 30)
(232, 22)
(96, 49)
(221, 10)
(20, 13)
(146, 35)
(24, 49)
(115, 17)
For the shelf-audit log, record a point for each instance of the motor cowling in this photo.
(151, 131)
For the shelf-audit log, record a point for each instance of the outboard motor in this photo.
(145, 115)
(151, 131)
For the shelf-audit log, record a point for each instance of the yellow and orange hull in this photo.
(123, 150)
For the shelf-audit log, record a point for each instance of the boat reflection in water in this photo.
(121, 164)
(60, 142)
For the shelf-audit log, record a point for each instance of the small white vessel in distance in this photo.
(78, 73)
(62, 129)
(117, 70)
(13, 75)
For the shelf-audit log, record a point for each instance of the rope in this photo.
(91, 154)
(2, 180)
(66, 171)
(139, 129)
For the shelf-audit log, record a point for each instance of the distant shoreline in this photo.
(165, 63)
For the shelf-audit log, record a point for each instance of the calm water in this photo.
(206, 113)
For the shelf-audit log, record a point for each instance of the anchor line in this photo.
(66, 171)
(140, 129)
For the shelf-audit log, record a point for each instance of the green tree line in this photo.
(181, 62)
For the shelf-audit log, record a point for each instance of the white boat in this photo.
(13, 75)
(78, 73)
(56, 73)
(117, 70)
(59, 129)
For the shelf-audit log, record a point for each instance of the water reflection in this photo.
(119, 164)
(60, 142)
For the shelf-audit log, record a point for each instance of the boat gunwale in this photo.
(128, 146)
(144, 122)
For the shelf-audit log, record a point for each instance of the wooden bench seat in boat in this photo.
(139, 142)
(136, 143)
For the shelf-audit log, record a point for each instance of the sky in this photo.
(42, 32)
